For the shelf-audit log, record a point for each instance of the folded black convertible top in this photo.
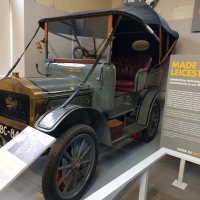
(140, 12)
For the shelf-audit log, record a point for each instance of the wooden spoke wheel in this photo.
(71, 164)
(149, 133)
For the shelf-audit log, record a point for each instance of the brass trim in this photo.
(12, 123)
(128, 98)
(23, 86)
(67, 94)
(39, 47)
(11, 103)
(15, 74)
(43, 40)
(69, 69)
(87, 101)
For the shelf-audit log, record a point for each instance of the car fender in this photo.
(58, 120)
(146, 105)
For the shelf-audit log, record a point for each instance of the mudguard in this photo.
(146, 106)
(57, 120)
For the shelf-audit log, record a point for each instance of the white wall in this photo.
(17, 9)
(169, 9)
(77, 6)
(188, 42)
(34, 12)
(25, 15)
(175, 9)
(4, 37)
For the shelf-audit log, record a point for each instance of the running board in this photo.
(128, 131)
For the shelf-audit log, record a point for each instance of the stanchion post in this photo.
(179, 183)
(181, 172)
(143, 185)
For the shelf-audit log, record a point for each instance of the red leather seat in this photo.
(126, 69)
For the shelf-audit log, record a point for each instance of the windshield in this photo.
(77, 38)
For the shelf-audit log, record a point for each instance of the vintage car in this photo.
(98, 86)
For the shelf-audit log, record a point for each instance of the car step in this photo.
(128, 131)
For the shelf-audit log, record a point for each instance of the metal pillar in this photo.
(179, 183)
(144, 185)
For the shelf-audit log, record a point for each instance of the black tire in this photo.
(150, 132)
(70, 164)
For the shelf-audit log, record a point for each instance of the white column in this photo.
(179, 183)
(4, 37)
(143, 185)
(18, 34)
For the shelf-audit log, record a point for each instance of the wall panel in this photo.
(188, 42)
(169, 9)
(32, 13)
(17, 8)
(77, 6)
(5, 37)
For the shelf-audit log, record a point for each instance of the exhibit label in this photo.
(181, 118)
(21, 152)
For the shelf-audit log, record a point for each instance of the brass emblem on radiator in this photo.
(11, 103)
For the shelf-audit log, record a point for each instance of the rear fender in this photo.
(55, 121)
(146, 106)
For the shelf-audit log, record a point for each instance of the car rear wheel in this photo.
(71, 164)
(150, 132)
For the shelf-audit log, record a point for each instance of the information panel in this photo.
(181, 118)
(21, 152)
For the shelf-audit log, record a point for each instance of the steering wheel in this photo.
(80, 52)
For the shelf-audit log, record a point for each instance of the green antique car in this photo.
(99, 86)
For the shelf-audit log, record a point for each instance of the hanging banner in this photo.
(20, 152)
(181, 118)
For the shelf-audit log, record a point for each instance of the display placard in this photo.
(20, 152)
(181, 118)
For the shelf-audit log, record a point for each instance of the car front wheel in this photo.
(71, 164)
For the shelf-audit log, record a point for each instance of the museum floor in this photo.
(161, 176)
(112, 163)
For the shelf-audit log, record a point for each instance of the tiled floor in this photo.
(161, 176)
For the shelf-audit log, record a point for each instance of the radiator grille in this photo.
(15, 106)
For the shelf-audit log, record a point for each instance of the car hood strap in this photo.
(13, 67)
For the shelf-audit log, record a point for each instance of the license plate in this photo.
(8, 132)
